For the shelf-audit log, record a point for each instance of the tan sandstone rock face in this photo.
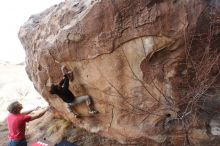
(126, 54)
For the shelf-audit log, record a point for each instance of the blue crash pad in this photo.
(65, 143)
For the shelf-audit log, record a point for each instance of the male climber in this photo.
(62, 90)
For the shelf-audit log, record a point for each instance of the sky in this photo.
(13, 14)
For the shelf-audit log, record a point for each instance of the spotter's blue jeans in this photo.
(17, 143)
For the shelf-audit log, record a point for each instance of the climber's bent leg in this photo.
(70, 109)
(88, 100)
(82, 99)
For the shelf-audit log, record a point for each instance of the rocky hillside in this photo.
(151, 66)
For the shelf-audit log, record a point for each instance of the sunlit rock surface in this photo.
(128, 55)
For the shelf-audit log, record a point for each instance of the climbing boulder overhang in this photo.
(129, 56)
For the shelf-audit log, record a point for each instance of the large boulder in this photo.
(132, 57)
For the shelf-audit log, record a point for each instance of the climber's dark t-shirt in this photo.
(64, 93)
